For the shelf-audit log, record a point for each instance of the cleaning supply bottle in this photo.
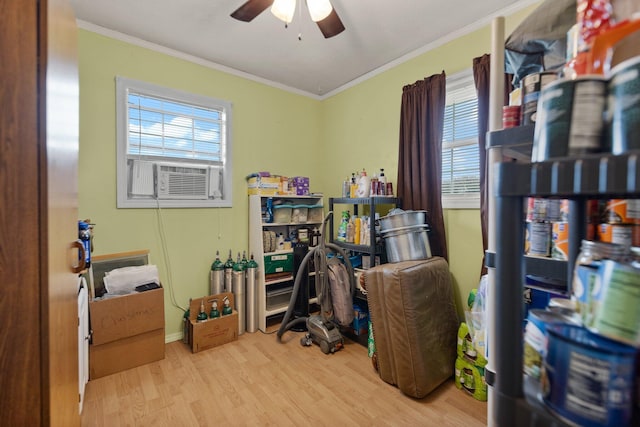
(350, 231)
(382, 183)
(356, 236)
(373, 190)
(364, 185)
(269, 209)
(354, 186)
(346, 187)
(342, 228)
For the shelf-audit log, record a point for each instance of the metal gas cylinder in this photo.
(216, 277)
(252, 295)
(238, 285)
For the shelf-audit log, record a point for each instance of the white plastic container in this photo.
(299, 214)
(282, 214)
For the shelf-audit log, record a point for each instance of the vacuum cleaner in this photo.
(321, 328)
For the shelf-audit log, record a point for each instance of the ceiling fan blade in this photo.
(331, 25)
(251, 9)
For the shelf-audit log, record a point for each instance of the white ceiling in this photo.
(378, 34)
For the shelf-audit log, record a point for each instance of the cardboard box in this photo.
(126, 353)
(360, 325)
(127, 331)
(212, 332)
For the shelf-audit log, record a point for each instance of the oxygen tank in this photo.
(216, 279)
(238, 293)
(228, 273)
(252, 295)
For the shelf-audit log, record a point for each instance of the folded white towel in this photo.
(123, 281)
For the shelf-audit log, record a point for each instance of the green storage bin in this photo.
(278, 263)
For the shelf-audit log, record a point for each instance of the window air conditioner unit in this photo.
(182, 182)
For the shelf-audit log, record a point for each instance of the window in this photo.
(174, 148)
(460, 155)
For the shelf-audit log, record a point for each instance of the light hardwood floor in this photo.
(256, 381)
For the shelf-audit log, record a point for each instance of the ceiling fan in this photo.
(321, 11)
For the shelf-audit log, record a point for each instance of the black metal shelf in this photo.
(373, 248)
(516, 142)
(594, 176)
(600, 176)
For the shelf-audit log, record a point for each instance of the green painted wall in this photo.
(362, 131)
(272, 130)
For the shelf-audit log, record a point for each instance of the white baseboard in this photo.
(173, 337)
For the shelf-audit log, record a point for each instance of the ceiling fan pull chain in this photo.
(300, 21)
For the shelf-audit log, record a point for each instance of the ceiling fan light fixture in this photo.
(319, 9)
(284, 10)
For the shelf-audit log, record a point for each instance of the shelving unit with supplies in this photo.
(371, 248)
(274, 291)
(515, 399)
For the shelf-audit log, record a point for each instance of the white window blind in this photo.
(460, 155)
(166, 128)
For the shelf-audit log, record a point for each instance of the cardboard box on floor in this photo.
(212, 332)
(127, 331)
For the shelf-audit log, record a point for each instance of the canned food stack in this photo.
(621, 222)
(547, 229)
(510, 116)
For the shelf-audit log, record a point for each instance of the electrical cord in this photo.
(167, 262)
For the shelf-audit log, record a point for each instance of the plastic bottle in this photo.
(280, 241)
(315, 237)
(364, 185)
(354, 186)
(346, 187)
(374, 185)
(84, 234)
(342, 228)
(269, 210)
(357, 231)
(214, 313)
(382, 183)
(350, 231)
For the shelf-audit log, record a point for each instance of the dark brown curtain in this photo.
(420, 157)
(481, 73)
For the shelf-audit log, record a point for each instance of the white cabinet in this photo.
(276, 271)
